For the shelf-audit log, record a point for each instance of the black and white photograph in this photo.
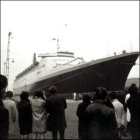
(69, 70)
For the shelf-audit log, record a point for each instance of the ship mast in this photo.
(8, 57)
(57, 41)
(58, 44)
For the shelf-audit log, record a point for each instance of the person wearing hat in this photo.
(4, 114)
(55, 106)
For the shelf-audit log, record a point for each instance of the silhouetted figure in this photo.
(56, 105)
(128, 115)
(25, 115)
(102, 121)
(83, 121)
(121, 97)
(10, 105)
(133, 104)
(38, 104)
(4, 114)
(124, 51)
(107, 101)
(119, 112)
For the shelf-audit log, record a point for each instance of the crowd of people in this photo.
(36, 116)
(106, 115)
(110, 115)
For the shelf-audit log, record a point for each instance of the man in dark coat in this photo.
(133, 104)
(55, 106)
(81, 113)
(102, 121)
(4, 114)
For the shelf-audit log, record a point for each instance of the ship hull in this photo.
(110, 73)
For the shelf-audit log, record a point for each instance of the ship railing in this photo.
(68, 64)
(82, 60)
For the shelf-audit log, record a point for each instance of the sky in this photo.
(90, 29)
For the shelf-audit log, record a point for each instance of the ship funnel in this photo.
(34, 59)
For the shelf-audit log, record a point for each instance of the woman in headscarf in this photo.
(25, 115)
(39, 115)
(81, 113)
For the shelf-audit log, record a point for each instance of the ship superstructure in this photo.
(48, 66)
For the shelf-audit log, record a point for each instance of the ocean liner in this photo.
(72, 74)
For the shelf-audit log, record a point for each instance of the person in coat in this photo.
(133, 104)
(55, 106)
(24, 115)
(101, 117)
(119, 112)
(39, 115)
(10, 105)
(4, 114)
(83, 121)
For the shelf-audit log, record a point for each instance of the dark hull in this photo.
(110, 73)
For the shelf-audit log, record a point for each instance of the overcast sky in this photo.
(90, 29)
